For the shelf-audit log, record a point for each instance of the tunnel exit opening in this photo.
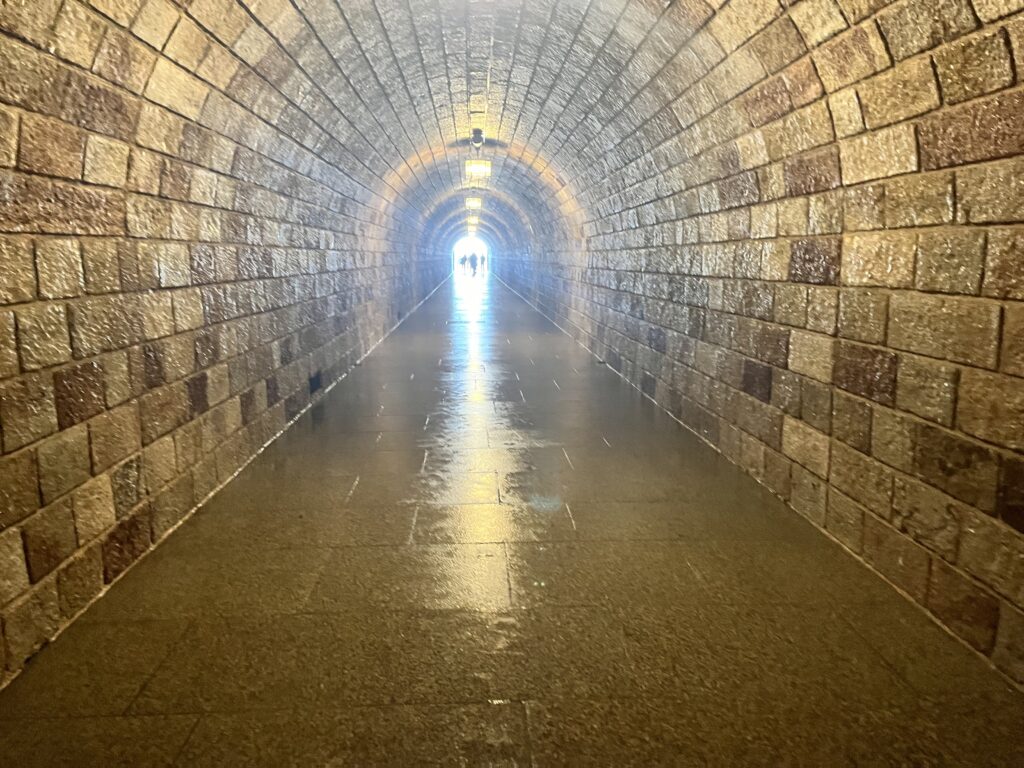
(471, 257)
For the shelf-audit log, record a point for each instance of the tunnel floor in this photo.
(485, 548)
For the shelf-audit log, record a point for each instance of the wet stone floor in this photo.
(484, 548)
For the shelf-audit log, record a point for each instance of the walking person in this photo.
(473, 263)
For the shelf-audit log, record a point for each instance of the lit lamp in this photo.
(478, 169)
(473, 221)
(474, 203)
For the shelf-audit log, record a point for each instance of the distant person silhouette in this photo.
(463, 261)
(483, 262)
(473, 263)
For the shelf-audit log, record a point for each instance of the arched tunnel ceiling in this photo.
(567, 92)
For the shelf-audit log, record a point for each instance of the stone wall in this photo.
(187, 259)
(813, 256)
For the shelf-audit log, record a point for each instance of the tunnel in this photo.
(710, 452)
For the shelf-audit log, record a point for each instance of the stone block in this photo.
(985, 129)
(43, 338)
(893, 439)
(163, 410)
(863, 479)
(1004, 268)
(805, 445)
(962, 468)
(950, 261)
(992, 193)
(816, 404)
(157, 311)
(59, 266)
(106, 162)
(102, 262)
(991, 407)
(905, 91)
(815, 260)
(879, 154)
(851, 421)
(963, 606)
(176, 89)
(847, 115)
(864, 207)
(93, 508)
(121, 11)
(13, 570)
(78, 33)
(80, 580)
(959, 329)
(78, 393)
(912, 26)
(811, 354)
(1011, 359)
(10, 126)
(27, 410)
(1008, 654)
(990, 10)
(30, 622)
(49, 538)
(155, 21)
(51, 147)
(115, 435)
(808, 494)
(17, 270)
(817, 20)
(803, 84)
(992, 553)
(63, 462)
(845, 521)
(927, 388)
(974, 67)
(850, 57)
(125, 544)
(930, 517)
(863, 315)
(124, 61)
(171, 506)
(756, 381)
(814, 171)
(104, 324)
(866, 371)
(825, 213)
(918, 200)
(127, 485)
(778, 44)
(901, 561)
(9, 365)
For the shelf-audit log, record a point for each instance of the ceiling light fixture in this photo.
(474, 203)
(477, 170)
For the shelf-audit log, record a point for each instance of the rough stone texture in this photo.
(795, 225)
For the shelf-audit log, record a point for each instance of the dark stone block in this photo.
(78, 393)
(198, 394)
(757, 380)
(1011, 492)
(963, 606)
(866, 371)
(961, 468)
(815, 260)
(125, 544)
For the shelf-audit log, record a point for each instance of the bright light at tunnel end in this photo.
(467, 246)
